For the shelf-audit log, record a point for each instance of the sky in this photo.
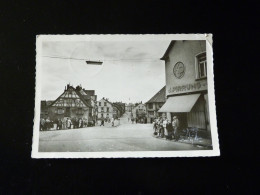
(131, 70)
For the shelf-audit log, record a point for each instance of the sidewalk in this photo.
(203, 139)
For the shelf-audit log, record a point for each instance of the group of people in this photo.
(164, 128)
(64, 123)
(137, 120)
(45, 124)
(112, 121)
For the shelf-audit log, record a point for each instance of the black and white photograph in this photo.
(112, 96)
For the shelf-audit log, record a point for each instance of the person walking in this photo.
(175, 125)
(112, 121)
(132, 119)
(102, 121)
(164, 127)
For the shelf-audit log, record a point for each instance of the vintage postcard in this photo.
(124, 96)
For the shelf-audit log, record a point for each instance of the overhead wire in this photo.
(123, 59)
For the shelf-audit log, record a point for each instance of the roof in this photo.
(89, 92)
(77, 92)
(160, 96)
(167, 51)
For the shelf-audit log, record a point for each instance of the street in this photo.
(125, 137)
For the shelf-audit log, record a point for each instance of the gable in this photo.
(69, 99)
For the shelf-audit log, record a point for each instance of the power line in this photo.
(71, 58)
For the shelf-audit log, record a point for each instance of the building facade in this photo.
(105, 109)
(186, 84)
(72, 103)
(139, 111)
(154, 104)
(129, 107)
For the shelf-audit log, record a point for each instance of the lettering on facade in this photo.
(188, 87)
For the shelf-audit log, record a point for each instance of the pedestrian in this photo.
(76, 123)
(69, 123)
(80, 123)
(64, 123)
(175, 125)
(169, 130)
(42, 124)
(102, 121)
(132, 119)
(59, 124)
(47, 124)
(161, 129)
(164, 127)
(112, 121)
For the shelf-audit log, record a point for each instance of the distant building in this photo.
(139, 111)
(129, 107)
(121, 107)
(186, 84)
(73, 103)
(105, 109)
(154, 104)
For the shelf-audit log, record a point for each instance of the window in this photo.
(105, 104)
(107, 109)
(150, 106)
(60, 111)
(102, 109)
(150, 113)
(80, 111)
(99, 103)
(201, 65)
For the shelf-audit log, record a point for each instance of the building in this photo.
(129, 107)
(154, 104)
(186, 84)
(105, 109)
(121, 107)
(73, 103)
(139, 111)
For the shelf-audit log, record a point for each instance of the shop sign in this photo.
(197, 86)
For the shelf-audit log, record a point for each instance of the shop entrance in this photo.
(182, 116)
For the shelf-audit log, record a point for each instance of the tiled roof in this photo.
(89, 92)
(160, 96)
(78, 93)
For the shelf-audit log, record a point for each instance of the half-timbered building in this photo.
(73, 103)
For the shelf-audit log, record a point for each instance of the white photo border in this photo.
(132, 154)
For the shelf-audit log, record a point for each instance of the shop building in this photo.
(154, 104)
(186, 84)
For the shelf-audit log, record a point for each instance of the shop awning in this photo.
(180, 103)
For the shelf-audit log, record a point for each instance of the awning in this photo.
(180, 103)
